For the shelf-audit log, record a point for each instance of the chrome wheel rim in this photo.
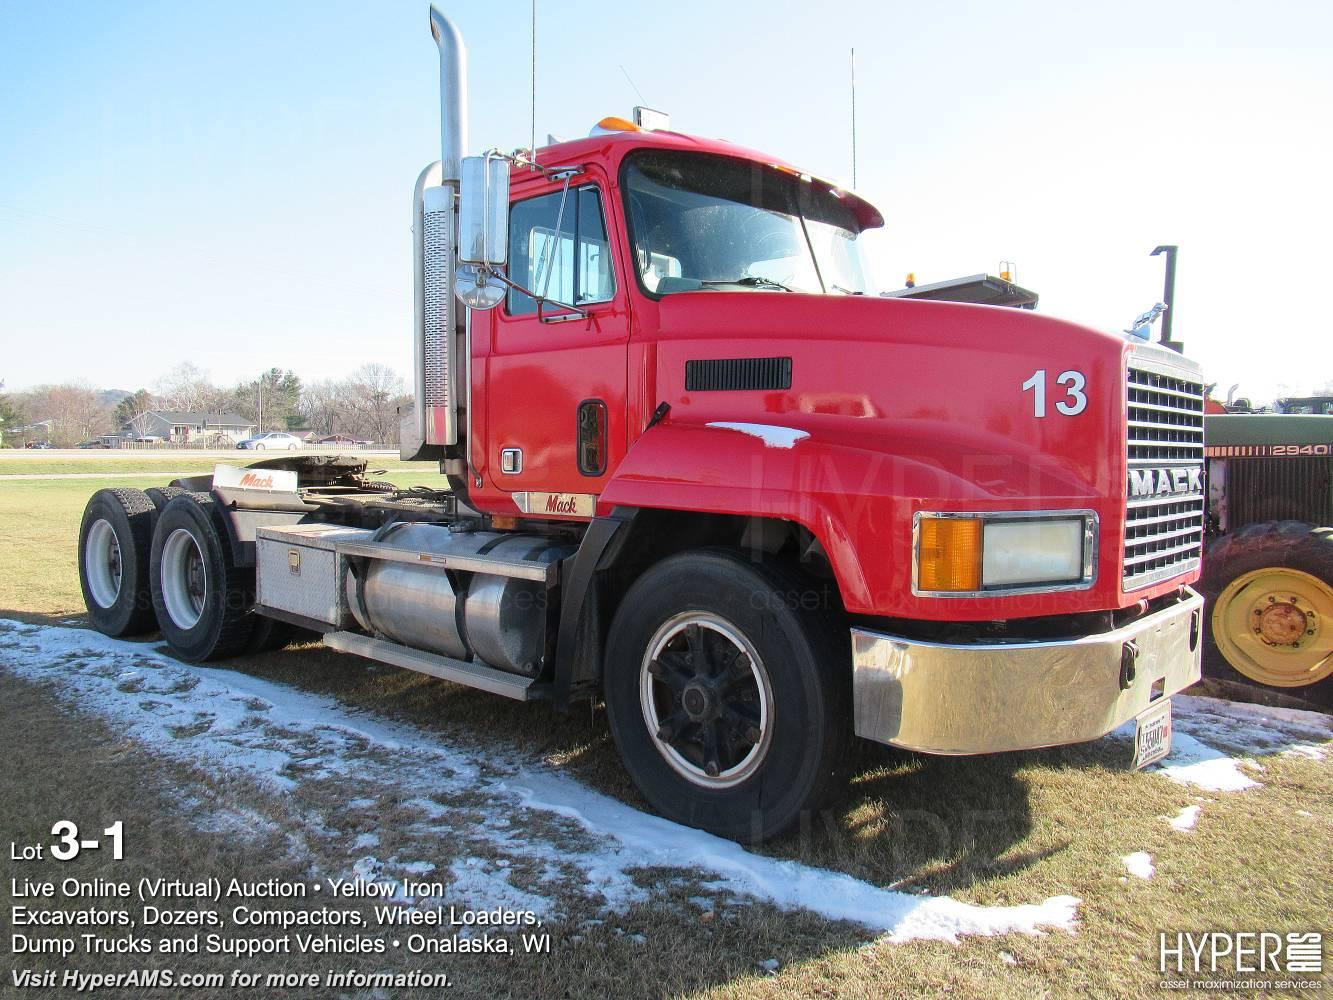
(707, 700)
(184, 579)
(102, 564)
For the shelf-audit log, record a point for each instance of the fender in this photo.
(855, 492)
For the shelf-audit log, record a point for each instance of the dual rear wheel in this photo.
(163, 558)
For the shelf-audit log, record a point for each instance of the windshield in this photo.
(703, 222)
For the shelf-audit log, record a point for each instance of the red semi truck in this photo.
(697, 470)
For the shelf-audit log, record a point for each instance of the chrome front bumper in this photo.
(988, 698)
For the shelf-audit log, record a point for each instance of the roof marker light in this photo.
(611, 124)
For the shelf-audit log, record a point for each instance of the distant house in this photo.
(183, 427)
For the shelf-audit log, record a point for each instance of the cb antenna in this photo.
(853, 117)
(533, 148)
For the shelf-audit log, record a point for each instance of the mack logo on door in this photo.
(557, 504)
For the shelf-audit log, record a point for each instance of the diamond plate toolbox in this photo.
(299, 571)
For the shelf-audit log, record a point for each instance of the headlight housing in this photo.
(1010, 552)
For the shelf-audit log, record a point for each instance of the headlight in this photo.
(960, 555)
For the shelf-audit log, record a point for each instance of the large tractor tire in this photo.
(115, 539)
(1270, 609)
(204, 602)
(731, 711)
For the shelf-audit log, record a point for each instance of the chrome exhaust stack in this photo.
(438, 337)
(453, 97)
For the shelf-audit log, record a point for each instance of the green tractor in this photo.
(1268, 556)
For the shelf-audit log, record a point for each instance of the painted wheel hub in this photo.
(1275, 626)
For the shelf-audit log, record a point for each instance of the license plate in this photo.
(1152, 735)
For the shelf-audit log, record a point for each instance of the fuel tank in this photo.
(497, 620)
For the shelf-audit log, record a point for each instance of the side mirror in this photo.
(483, 231)
(483, 211)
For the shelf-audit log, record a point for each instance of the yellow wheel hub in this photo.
(1275, 626)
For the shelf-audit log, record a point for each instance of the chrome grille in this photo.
(1165, 507)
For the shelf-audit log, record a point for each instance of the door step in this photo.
(446, 668)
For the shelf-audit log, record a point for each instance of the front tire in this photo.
(204, 602)
(115, 542)
(730, 710)
(1270, 597)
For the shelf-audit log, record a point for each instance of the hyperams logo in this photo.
(1240, 960)
(1177, 481)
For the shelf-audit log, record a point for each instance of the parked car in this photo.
(91, 444)
(144, 439)
(39, 444)
(273, 440)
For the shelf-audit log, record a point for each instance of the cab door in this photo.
(556, 382)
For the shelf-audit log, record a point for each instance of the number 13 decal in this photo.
(1075, 401)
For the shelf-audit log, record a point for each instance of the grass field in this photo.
(1007, 829)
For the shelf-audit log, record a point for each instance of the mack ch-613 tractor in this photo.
(694, 470)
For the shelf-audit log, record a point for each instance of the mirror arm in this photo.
(551, 243)
(574, 311)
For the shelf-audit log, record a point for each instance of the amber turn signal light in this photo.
(949, 554)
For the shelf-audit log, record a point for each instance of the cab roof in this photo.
(612, 147)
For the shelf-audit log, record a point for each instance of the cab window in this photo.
(577, 257)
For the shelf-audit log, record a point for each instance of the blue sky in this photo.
(230, 184)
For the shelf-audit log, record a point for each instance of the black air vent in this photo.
(737, 373)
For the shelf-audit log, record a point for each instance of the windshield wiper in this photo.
(750, 281)
(845, 291)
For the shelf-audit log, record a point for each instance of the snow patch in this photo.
(228, 723)
(1307, 750)
(1193, 763)
(772, 435)
(1184, 820)
(650, 841)
(1213, 738)
(1139, 864)
(482, 888)
(1246, 729)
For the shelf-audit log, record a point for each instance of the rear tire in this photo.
(1270, 609)
(731, 711)
(160, 496)
(204, 602)
(115, 542)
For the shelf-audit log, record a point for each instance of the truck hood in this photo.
(1006, 404)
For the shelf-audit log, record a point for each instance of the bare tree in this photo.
(322, 406)
(187, 387)
(371, 395)
(76, 412)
